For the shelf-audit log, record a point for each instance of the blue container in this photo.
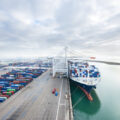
(23, 84)
(15, 86)
(8, 88)
(5, 75)
(4, 88)
(3, 85)
(10, 80)
(2, 99)
(2, 79)
(3, 91)
(56, 93)
(28, 76)
(4, 82)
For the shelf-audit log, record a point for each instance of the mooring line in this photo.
(79, 100)
(74, 90)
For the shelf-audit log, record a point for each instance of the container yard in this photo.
(13, 81)
(32, 93)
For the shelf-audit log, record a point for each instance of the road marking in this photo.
(59, 100)
(63, 104)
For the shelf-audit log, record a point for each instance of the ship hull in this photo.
(88, 88)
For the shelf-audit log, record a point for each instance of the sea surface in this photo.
(106, 103)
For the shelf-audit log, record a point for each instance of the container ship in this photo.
(84, 75)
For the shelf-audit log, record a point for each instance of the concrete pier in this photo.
(36, 101)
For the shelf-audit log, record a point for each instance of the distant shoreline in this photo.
(106, 62)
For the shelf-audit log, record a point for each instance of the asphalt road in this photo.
(36, 101)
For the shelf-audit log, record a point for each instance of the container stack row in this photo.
(13, 81)
(83, 71)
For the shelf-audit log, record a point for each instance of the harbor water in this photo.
(106, 103)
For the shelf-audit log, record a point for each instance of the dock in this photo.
(36, 101)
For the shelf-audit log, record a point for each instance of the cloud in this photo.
(37, 27)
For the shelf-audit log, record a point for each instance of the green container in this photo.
(8, 90)
(8, 93)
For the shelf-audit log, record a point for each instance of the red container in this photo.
(53, 91)
(4, 93)
(30, 79)
(21, 87)
(36, 74)
(12, 92)
(16, 82)
(23, 81)
(1, 87)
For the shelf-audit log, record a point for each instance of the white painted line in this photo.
(59, 100)
(63, 104)
(66, 99)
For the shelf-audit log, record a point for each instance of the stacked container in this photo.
(13, 81)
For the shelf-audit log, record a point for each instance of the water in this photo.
(106, 103)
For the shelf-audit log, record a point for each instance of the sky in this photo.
(45, 27)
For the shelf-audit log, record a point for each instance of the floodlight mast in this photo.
(66, 48)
